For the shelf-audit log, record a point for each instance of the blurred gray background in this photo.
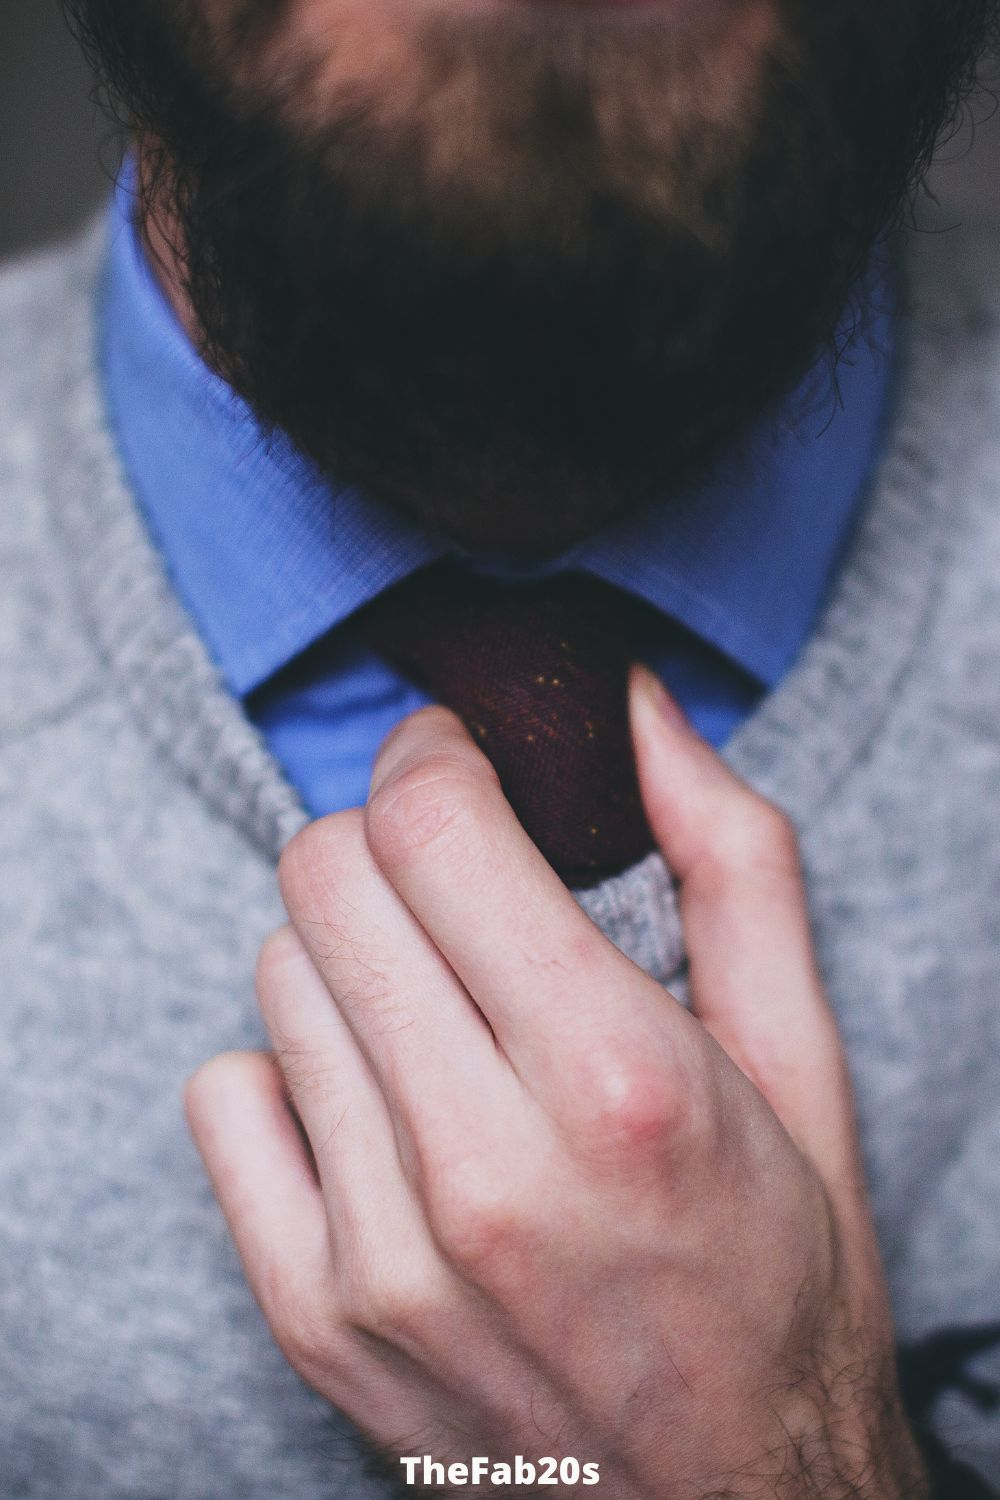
(56, 150)
(51, 137)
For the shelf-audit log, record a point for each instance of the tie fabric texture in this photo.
(538, 672)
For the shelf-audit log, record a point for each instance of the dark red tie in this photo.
(538, 672)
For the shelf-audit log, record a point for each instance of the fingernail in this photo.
(648, 687)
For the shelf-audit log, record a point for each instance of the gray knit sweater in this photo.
(140, 820)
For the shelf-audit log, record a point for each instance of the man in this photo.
(470, 353)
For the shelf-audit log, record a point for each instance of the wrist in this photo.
(851, 1440)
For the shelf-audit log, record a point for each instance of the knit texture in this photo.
(140, 821)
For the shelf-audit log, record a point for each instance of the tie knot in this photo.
(538, 672)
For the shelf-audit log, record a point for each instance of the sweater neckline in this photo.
(801, 744)
(796, 748)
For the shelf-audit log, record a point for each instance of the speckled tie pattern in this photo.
(538, 672)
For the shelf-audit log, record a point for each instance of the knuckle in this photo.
(426, 805)
(280, 952)
(298, 1316)
(397, 1307)
(479, 1222)
(758, 839)
(313, 863)
(631, 1105)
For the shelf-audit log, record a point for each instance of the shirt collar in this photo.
(267, 557)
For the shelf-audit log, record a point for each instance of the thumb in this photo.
(754, 980)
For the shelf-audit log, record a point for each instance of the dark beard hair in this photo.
(517, 369)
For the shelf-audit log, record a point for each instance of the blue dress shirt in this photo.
(270, 560)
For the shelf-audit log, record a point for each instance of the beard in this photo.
(544, 271)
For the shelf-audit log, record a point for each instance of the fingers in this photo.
(343, 1112)
(425, 1042)
(755, 983)
(313, 1289)
(551, 986)
(263, 1178)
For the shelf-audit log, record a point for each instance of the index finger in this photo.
(546, 978)
(755, 981)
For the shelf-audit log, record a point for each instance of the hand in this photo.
(544, 1209)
